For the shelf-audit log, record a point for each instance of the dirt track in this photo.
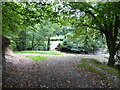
(59, 71)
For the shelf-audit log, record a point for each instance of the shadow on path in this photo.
(58, 71)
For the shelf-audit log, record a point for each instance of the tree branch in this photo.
(89, 26)
(100, 29)
(90, 12)
(116, 26)
(93, 15)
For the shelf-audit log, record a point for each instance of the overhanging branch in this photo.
(89, 26)
(86, 25)
(90, 12)
(100, 29)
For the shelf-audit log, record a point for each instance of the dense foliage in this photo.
(83, 41)
(29, 25)
(102, 16)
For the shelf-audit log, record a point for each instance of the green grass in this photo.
(96, 62)
(41, 52)
(112, 70)
(37, 58)
(90, 68)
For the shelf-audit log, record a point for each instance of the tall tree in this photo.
(102, 16)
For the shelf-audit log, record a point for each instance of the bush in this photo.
(76, 46)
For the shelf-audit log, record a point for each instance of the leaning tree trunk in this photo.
(5, 44)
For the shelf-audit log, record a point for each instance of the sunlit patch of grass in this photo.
(41, 52)
(37, 58)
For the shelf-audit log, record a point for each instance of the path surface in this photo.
(54, 45)
(59, 71)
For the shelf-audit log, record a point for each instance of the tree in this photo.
(48, 29)
(27, 14)
(82, 40)
(102, 16)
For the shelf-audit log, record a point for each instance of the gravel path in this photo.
(101, 58)
(59, 71)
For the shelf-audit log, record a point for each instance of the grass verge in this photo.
(90, 68)
(112, 70)
(41, 52)
(98, 64)
(37, 58)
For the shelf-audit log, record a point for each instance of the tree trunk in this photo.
(48, 44)
(111, 60)
(17, 45)
(22, 40)
(33, 41)
(111, 47)
(5, 44)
